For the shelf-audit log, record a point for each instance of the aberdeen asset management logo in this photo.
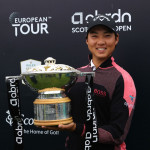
(101, 18)
(29, 25)
(26, 121)
(80, 20)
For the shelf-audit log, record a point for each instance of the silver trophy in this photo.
(52, 106)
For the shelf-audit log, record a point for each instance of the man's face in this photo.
(101, 42)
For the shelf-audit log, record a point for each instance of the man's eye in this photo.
(107, 35)
(94, 35)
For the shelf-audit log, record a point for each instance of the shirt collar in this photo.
(93, 66)
(107, 63)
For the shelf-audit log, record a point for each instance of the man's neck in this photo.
(98, 62)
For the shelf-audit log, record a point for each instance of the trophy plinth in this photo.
(52, 106)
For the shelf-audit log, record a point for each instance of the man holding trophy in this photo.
(114, 93)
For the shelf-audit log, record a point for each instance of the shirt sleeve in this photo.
(121, 112)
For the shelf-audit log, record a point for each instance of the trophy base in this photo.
(52, 122)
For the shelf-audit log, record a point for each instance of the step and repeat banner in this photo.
(31, 31)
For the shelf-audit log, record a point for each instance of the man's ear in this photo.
(117, 39)
(86, 41)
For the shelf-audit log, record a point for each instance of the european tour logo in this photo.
(29, 25)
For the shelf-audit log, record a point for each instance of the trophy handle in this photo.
(16, 77)
(86, 73)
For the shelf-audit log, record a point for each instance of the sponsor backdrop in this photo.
(34, 30)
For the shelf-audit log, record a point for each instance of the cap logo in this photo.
(101, 18)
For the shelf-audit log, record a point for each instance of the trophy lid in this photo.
(49, 67)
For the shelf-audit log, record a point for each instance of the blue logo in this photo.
(132, 98)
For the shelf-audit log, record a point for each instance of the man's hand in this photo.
(68, 127)
(62, 127)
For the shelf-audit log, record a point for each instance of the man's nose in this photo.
(100, 41)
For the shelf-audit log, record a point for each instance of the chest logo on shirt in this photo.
(132, 98)
(100, 93)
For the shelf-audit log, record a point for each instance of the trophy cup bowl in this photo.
(52, 106)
